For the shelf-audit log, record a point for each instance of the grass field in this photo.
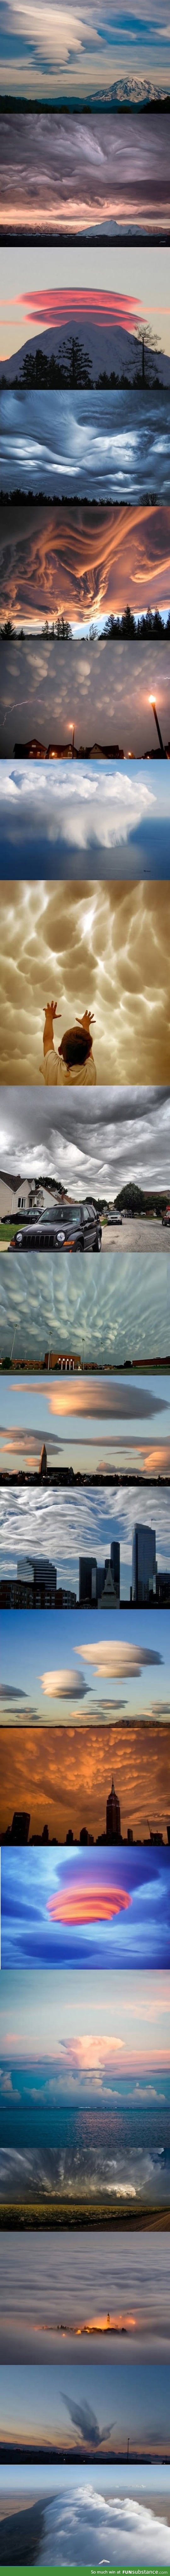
(99, 2213)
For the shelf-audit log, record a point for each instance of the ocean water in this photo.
(121, 2151)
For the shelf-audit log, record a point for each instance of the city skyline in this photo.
(78, 61)
(92, 953)
(65, 182)
(81, 565)
(102, 1674)
(82, 445)
(108, 319)
(88, 1425)
(58, 1532)
(33, 1784)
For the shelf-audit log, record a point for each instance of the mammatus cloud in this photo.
(92, 954)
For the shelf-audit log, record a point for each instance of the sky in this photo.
(104, 305)
(34, 1780)
(88, 1424)
(107, 1674)
(66, 179)
(62, 1526)
(93, 2414)
(108, 811)
(47, 1307)
(85, 1908)
(89, 2046)
(71, 2281)
(106, 950)
(72, 563)
(128, 2514)
(125, 1137)
(76, 57)
(86, 445)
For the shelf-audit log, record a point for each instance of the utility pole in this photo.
(162, 749)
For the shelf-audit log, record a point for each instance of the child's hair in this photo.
(75, 1046)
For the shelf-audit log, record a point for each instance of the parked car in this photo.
(68, 1228)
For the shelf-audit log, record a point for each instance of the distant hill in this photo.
(108, 348)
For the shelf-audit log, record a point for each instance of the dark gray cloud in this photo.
(123, 1134)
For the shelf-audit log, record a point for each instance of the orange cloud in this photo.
(88, 1904)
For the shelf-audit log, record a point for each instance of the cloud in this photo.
(87, 2423)
(11, 1690)
(64, 1684)
(83, 562)
(111, 1660)
(92, 950)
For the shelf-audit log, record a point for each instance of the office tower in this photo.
(143, 1562)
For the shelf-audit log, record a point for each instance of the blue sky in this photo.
(88, 1908)
(81, 51)
(75, 2041)
(63, 1671)
(104, 2516)
(118, 817)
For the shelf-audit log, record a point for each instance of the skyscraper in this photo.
(143, 1561)
(113, 1823)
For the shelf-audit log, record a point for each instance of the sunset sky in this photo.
(105, 309)
(66, 177)
(117, 815)
(72, 562)
(64, 1672)
(89, 1424)
(92, 2413)
(108, 950)
(33, 1776)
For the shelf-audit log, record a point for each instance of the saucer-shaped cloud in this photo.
(88, 1903)
(61, 1685)
(111, 1659)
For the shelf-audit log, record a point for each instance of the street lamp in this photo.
(12, 1346)
(162, 748)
